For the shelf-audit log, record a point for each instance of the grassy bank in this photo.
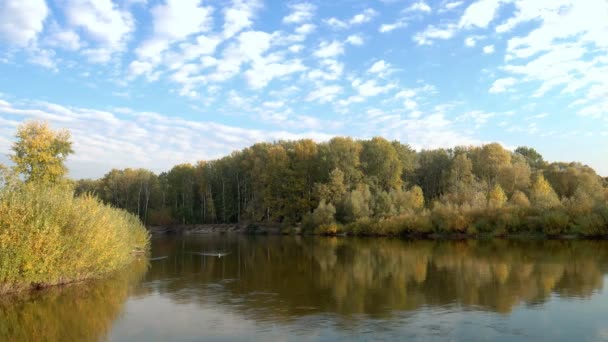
(49, 237)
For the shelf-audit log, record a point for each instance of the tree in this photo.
(332, 191)
(39, 153)
(431, 174)
(380, 161)
(490, 160)
(324, 214)
(344, 154)
(357, 204)
(542, 194)
(534, 159)
(519, 199)
(497, 197)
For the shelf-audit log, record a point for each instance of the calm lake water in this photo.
(311, 289)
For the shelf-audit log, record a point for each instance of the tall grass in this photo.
(50, 237)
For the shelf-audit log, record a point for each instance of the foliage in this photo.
(375, 187)
(48, 236)
(39, 152)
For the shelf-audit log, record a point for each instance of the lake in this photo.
(273, 288)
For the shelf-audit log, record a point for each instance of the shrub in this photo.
(554, 222)
(49, 237)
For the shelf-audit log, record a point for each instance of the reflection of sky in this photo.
(156, 317)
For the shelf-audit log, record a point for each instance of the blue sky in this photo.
(145, 83)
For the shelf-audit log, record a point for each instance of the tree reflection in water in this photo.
(376, 277)
(77, 312)
(286, 281)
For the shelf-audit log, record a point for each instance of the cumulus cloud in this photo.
(123, 137)
(328, 49)
(502, 85)
(22, 21)
(104, 23)
(300, 12)
(360, 18)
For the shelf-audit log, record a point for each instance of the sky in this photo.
(155, 83)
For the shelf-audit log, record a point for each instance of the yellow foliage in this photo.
(497, 197)
(40, 152)
(49, 237)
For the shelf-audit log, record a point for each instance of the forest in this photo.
(368, 187)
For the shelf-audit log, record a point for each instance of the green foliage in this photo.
(357, 204)
(39, 153)
(48, 236)
(325, 214)
(533, 158)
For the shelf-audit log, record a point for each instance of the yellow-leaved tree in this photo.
(542, 194)
(39, 153)
(497, 197)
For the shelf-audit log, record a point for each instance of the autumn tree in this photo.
(542, 194)
(39, 153)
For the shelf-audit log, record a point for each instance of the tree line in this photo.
(373, 186)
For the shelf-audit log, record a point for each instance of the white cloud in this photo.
(452, 5)
(488, 49)
(331, 71)
(432, 32)
(470, 42)
(371, 88)
(173, 23)
(361, 18)
(480, 13)
(336, 23)
(265, 70)
(305, 29)
(324, 94)
(379, 67)
(329, 49)
(22, 21)
(66, 39)
(355, 39)
(177, 19)
(564, 50)
(125, 138)
(300, 12)
(385, 28)
(104, 23)
(479, 118)
(419, 6)
(239, 16)
(296, 48)
(44, 58)
(501, 85)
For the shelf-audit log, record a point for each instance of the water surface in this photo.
(293, 288)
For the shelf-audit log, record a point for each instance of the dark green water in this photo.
(290, 288)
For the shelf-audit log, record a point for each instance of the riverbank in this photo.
(250, 229)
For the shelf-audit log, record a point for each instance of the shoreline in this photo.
(274, 229)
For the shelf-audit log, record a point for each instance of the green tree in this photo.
(39, 153)
(380, 161)
(324, 214)
(534, 159)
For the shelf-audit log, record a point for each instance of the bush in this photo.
(49, 237)
(554, 222)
